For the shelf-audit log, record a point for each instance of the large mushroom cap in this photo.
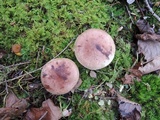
(94, 49)
(59, 75)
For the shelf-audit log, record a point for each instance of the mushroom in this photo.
(16, 48)
(94, 49)
(59, 76)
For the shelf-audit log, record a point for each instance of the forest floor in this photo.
(46, 29)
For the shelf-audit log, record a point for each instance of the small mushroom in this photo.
(16, 48)
(59, 76)
(94, 49)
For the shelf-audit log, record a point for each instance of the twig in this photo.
(6, 86)
(135, 60)
(37, 59)
(65, 48)
(9, 80)
(14, 65)
(129, 13)
(151, 10)
(140, 8)
(43, 115)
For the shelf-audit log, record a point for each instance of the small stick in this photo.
(6, 86)
(65, 48)
(14, 65)
(129, 13)
(10, 80)
(140, 8)
(43, 115)
(151, 10)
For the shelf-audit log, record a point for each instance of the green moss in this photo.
(87, 109)
(45, 27)
(147, 93)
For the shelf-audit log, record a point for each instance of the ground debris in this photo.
(133, 74)
(150, 49)
(149, 46)
(144, 26)
(13, 107)
(128, 110)
(48, 111)
(152, 66)
(146, 36)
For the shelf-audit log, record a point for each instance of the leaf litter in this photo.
(149, 46)
(13, 107)
(128, 110)
(48, 111)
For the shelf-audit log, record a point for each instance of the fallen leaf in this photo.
(137, 73)
(11, 99)
(48, 111)
(144, 26)
(55, 111)
(146, 36)
(128, 110)
(129, 77)
(150, 49)
(112, 92)
(35, 114)
(152, 66)
(14, 107)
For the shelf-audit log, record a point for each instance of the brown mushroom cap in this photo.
(59, 75)
(94, 49)
(16, 48)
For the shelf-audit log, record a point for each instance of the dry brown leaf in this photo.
(14, 107)
(11, 99)
(35, 114)
(48, 111)
(152, 66)
(150, 49)
(144, 26)
(136, 72)
(146, 36)
(128, 110)
(129, 77)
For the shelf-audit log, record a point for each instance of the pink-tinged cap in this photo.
(59, 75)
(94, 49)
